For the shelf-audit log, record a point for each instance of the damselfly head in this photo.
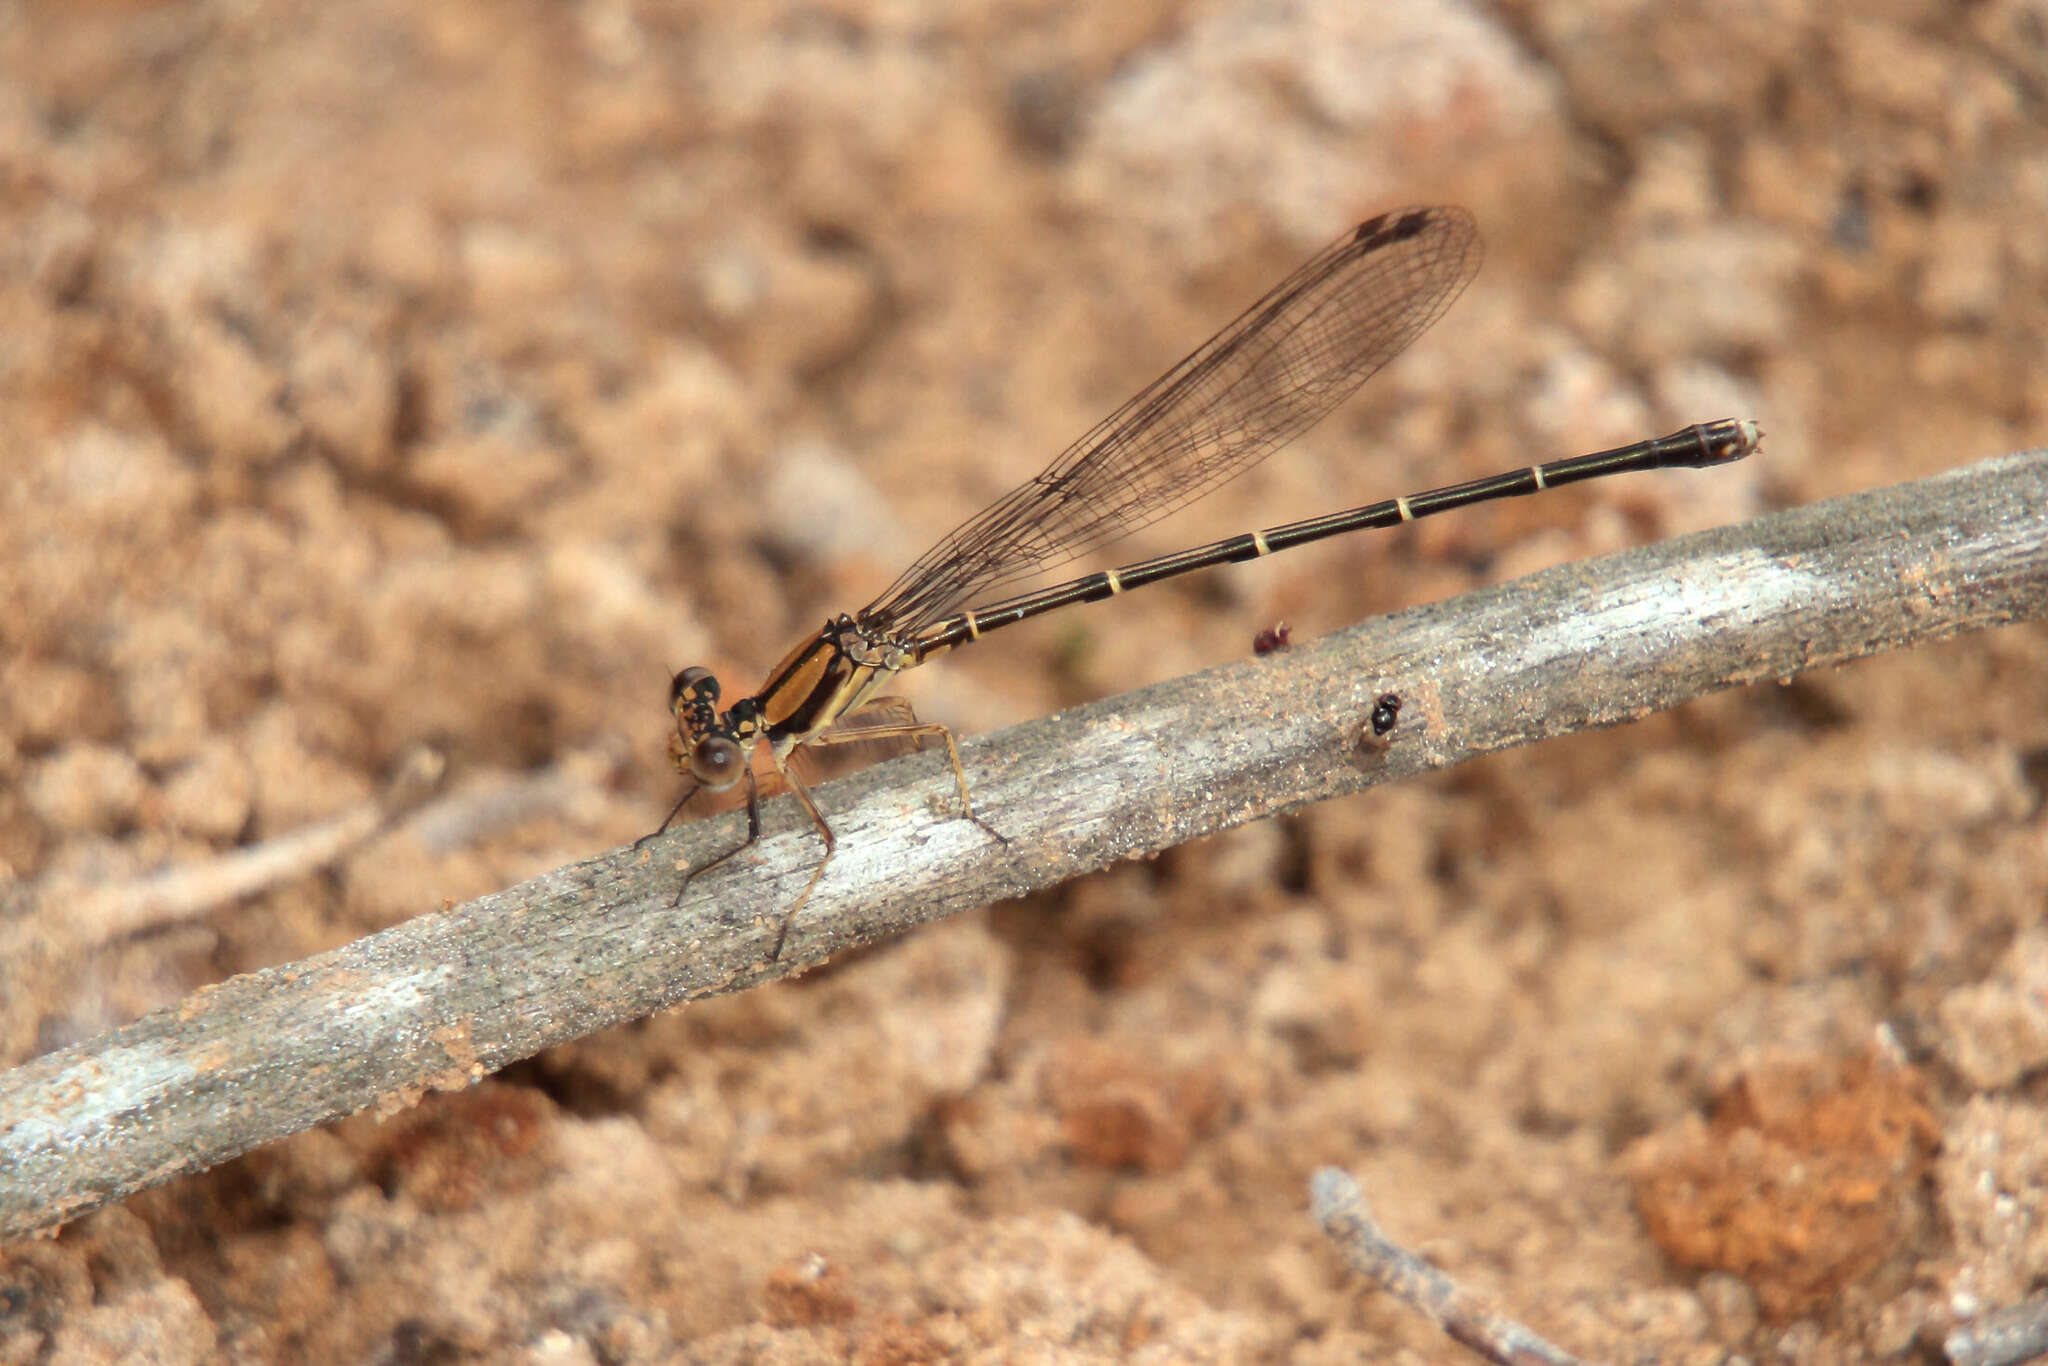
(706, 748)
(694, 687)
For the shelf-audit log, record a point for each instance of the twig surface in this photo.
(2003, 1337)
(1339, 1207)
(443, 1000)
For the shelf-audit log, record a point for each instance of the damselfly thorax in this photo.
(824, 692)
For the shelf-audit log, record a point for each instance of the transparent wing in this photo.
(850, 744)
(1249, 390)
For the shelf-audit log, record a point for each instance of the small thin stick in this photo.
(1339, 1206)
(446, 998)
(186, 891)
(2003, 1337)
(192, 889)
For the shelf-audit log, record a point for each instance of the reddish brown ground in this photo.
(450, 371)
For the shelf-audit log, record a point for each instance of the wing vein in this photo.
(1263, 380)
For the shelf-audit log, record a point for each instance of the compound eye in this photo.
(717, 762)
(694, 684)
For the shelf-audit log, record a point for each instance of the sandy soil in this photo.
(449, 372)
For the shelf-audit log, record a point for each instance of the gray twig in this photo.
(104, 914)
(1339, 1206)
(2003, 1337)
(446, 998)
